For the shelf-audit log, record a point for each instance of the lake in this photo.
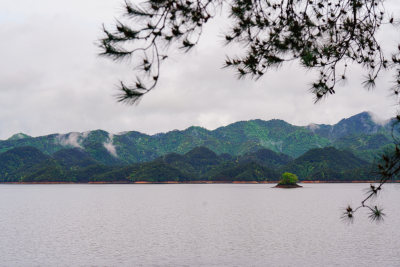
(194, 225)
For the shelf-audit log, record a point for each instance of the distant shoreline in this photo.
(207, 182)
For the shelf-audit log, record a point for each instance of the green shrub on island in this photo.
(288, 179)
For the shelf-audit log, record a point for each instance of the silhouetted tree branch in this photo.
(388, 169)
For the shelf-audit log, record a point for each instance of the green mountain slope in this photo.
(361, 123)
(47, 171)
(74, 158)
(15, 162)
(18, 136)
(266, 158)
(329, 164)
(366, 147)
(157, 171)
(250, 171)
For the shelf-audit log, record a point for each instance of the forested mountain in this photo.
(359, 134)
(17, 162)
(28, 164)
(330, 164)
(266, 158)
(74, 158)
(361, 123)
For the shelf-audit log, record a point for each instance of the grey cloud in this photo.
(378, 120)
(72, 139)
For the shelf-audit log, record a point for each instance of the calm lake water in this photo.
(194, 225)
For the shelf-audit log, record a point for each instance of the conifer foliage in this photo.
(325, 35)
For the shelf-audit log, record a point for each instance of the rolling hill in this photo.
(28, 164)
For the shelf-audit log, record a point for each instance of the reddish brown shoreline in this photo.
(204, 182)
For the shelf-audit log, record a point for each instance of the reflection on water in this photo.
(205, 224)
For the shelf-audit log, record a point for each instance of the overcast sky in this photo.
(52, 81)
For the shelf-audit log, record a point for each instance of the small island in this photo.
(288, 180)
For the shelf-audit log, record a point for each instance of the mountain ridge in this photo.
(237, 138)
(22, 135)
